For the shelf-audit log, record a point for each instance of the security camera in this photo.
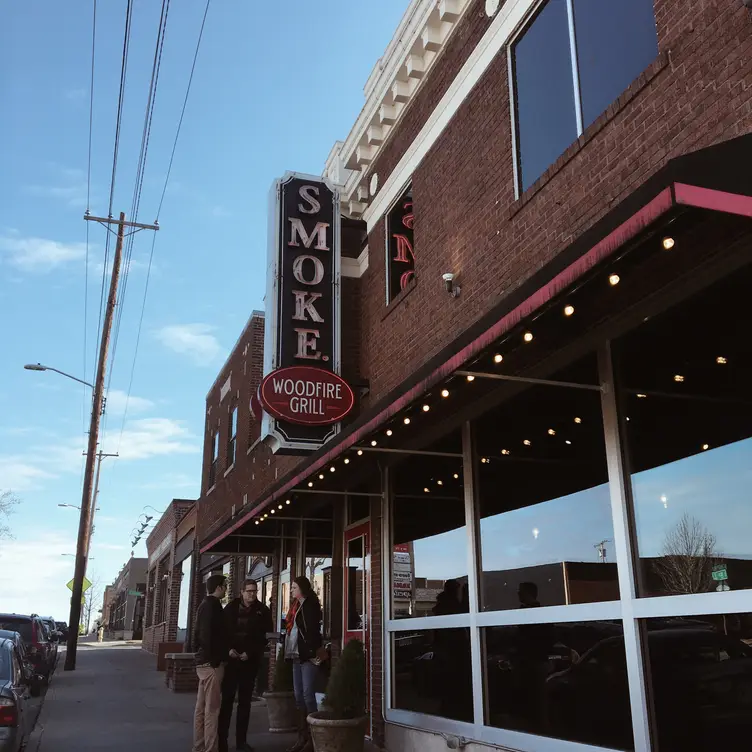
(451, 288)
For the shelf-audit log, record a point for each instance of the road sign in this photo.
(719, 573)
(87, 585)
(135, 592)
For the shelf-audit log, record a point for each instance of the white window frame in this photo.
(630, 608)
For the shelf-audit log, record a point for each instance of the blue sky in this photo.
(276, 85)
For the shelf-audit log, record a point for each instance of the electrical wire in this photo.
(159, 209)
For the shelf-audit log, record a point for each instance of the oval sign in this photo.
(307, 396)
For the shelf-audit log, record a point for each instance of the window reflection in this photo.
(432, 673)
(563, 680)
(688, 415)
(429, 555)
(356, 584)
(701, 681)
(546, 524)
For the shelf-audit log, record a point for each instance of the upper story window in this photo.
(232, 439)
(400, 256)
(570, 62)
(214, 458)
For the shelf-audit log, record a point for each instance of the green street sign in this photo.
(137, 593)
(720, 574)
(87, 585)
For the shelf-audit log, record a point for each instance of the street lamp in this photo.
(40, 367)
(74, 506)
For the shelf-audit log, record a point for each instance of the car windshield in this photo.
(17, 624)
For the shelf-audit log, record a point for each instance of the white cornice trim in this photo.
(422, 33)
(356, 268)
(502, 28)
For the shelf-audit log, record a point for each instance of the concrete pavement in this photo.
(116, 700)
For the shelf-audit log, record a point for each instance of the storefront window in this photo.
(701, 681)
(566, 680)
(685, 379)
(546, 527)
(429, 555)
(432, 673)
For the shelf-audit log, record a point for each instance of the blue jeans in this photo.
(304, 683)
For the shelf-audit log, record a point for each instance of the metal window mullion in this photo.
(602, 611)
(516, 156)
(695, 604)
(622, 521)
(575, 66)
(473, 571)
(420, 623)
(386, 590)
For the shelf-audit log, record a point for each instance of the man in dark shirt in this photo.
(210, 648)
(247, 622)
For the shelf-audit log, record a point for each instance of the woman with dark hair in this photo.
(303, 644)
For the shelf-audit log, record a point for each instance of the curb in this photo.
(34, 741)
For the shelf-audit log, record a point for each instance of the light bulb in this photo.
(273, 511)
(678, 378)
(527, 442)
(439, 482)
(444, 392)
(614, 280)
(374, 442)
(528, 337)
(456, 476)
(505, 451)
(668, 243)
(721, 360)
(471, 378)
(279, 507)
(347, 460)
(578, 420)
(705, 447)
(568, 310)
(426, 490)
(406, 421)
(567, 441)
(641, 396)
(551, 432)
(321, 476)
(310, 484)
(498, 358)
(288, 501)
(389, 432)
(257, 522)
(331, 469)
(360, 452)
(426, 408)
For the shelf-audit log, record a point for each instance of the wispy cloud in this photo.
(118, 399)
(156, 437)
(39, 255)
(19, 474)
(194, 340)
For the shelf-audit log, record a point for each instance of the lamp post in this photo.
(40, 367)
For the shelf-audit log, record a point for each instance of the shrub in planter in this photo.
(280, 701)
(341, 725)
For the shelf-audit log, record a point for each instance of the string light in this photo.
(288, 501)
(705, 447)
(456, 476)
(406, 421)
(528, 336)
(321, 476)
(439, 482)
(426, 408)
(310, 484)
(668, 243)
(444, 392)
(614, 280)
(721, 360)
(347, 460)
(471, 378)
(374, 442)
(551, 432)
(527, 442)
(498, 358)
(567, 441)
(279, 507)
(568, 310)
(505, 451)
(425, 490)
(360, 452)
(332, 469)
(678, 378)
(389, 432)
(257, 522)
(578, 420)
(273, 511)
(641, 396)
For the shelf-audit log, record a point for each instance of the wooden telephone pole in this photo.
(84, 524)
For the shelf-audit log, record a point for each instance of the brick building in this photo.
(171, 547)
(533, 516)
(123, 605)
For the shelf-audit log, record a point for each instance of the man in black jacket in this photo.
(247, 622)
(210, 648)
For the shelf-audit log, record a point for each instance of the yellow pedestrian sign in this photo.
(87, 585)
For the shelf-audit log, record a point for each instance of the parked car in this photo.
(34, 679)
(63, 629)
(34, 635)
(15, 713)
(54, 636)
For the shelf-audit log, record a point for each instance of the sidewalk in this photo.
(116, 700)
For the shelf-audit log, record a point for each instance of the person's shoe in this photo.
(302, 728)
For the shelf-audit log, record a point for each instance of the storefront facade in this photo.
(535, 517)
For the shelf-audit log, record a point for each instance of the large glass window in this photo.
(546, 528)
(685, 379)
(233, 436)
(432, 673)
(566, 680)
(613, 44)
(429, 554)
(701, 681)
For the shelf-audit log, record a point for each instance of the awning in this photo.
(714, 179)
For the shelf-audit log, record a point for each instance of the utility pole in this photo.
(84, 524)
(100, 456)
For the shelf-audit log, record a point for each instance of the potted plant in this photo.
(280, 701)
(341, 725)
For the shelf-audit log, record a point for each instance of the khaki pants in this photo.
(208, 702)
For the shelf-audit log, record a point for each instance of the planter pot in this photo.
(330, 735)
(282, 712)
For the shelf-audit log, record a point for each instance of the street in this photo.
(116, 700)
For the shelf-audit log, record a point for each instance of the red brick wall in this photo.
(467, 220)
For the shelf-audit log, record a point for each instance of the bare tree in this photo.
(8, 500)
(688, 557)
(91, 598)
(312, 564)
